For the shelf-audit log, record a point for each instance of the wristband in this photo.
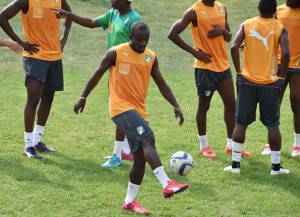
(82, 97)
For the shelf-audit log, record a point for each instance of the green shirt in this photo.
(118, 26)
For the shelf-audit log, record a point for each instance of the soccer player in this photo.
(11, 45)
(42, 62)
(210, 31)
(289, 15)
(131, 66)
(118, 21)
(259, 82)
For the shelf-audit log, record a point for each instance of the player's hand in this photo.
(179, 115)
(79, 105)
(60, 13)
(31, 48)
(202, 56)
(215, 32)
(15, 47)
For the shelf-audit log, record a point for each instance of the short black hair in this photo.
(140, 26)
(267, 7)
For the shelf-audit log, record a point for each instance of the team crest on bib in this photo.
(148, 58)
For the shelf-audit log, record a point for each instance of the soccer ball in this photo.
(181, 163)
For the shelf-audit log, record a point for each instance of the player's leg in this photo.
(122, 146)
(54, 82)
(34, 91)
(269, 100)
(245, 115)
(35, 76)
(295, 104)
(267, 150)
(205, 94)
(136, 176)
(226, 91)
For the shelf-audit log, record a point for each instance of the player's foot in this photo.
(296, 151)
(174, 188)
(232, 170)
(41, 147)
(135, 207)
(112, 162)
(282, 171)
(244, 153)
(208, 152)
(125, 156)
(266, 150)
(31, 153)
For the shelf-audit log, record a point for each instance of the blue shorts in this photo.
(135, 128)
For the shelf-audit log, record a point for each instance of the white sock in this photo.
(236, 151)
(161, 175)
(275, 157)
(203, 141)
(38, 132)
(132, 191)
(118, 148)
(28, 139)
(229, 143)
(126, 148)
(297, 140)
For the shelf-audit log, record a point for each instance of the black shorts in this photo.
(291, 72)
(49, 73)
(135, 128)
(207, 81)
(268, 97)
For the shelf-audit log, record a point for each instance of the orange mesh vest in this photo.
(290, 18)
(216, 47)
(129, 80)
(261, 49)
(40, 26)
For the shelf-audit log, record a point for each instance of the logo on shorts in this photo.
(207, 93)
(140, 130)
(148, 58)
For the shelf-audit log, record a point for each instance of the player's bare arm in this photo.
(179, 26)
(285, 52)
(83, 21)
(235, 49)
(219, 31)
(108, 60)
(9, 12)
(166, 91)
(11, 45)
(67, 25)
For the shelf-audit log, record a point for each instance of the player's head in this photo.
(209, 2)
(120, 4)
(267, 8)
(293, 3)
(139, 37)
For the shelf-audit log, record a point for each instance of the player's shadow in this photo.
(15, 169)
(85, 169)
(258, 172)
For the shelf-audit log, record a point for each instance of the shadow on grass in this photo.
(258, 173)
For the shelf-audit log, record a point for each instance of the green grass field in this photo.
(71, 181)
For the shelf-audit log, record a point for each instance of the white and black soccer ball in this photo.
(181, 163)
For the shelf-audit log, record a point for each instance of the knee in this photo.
(33, 101)
(230, 106)
(48, 97)
(203, 108)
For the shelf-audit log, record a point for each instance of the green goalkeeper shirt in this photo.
(118, 26)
